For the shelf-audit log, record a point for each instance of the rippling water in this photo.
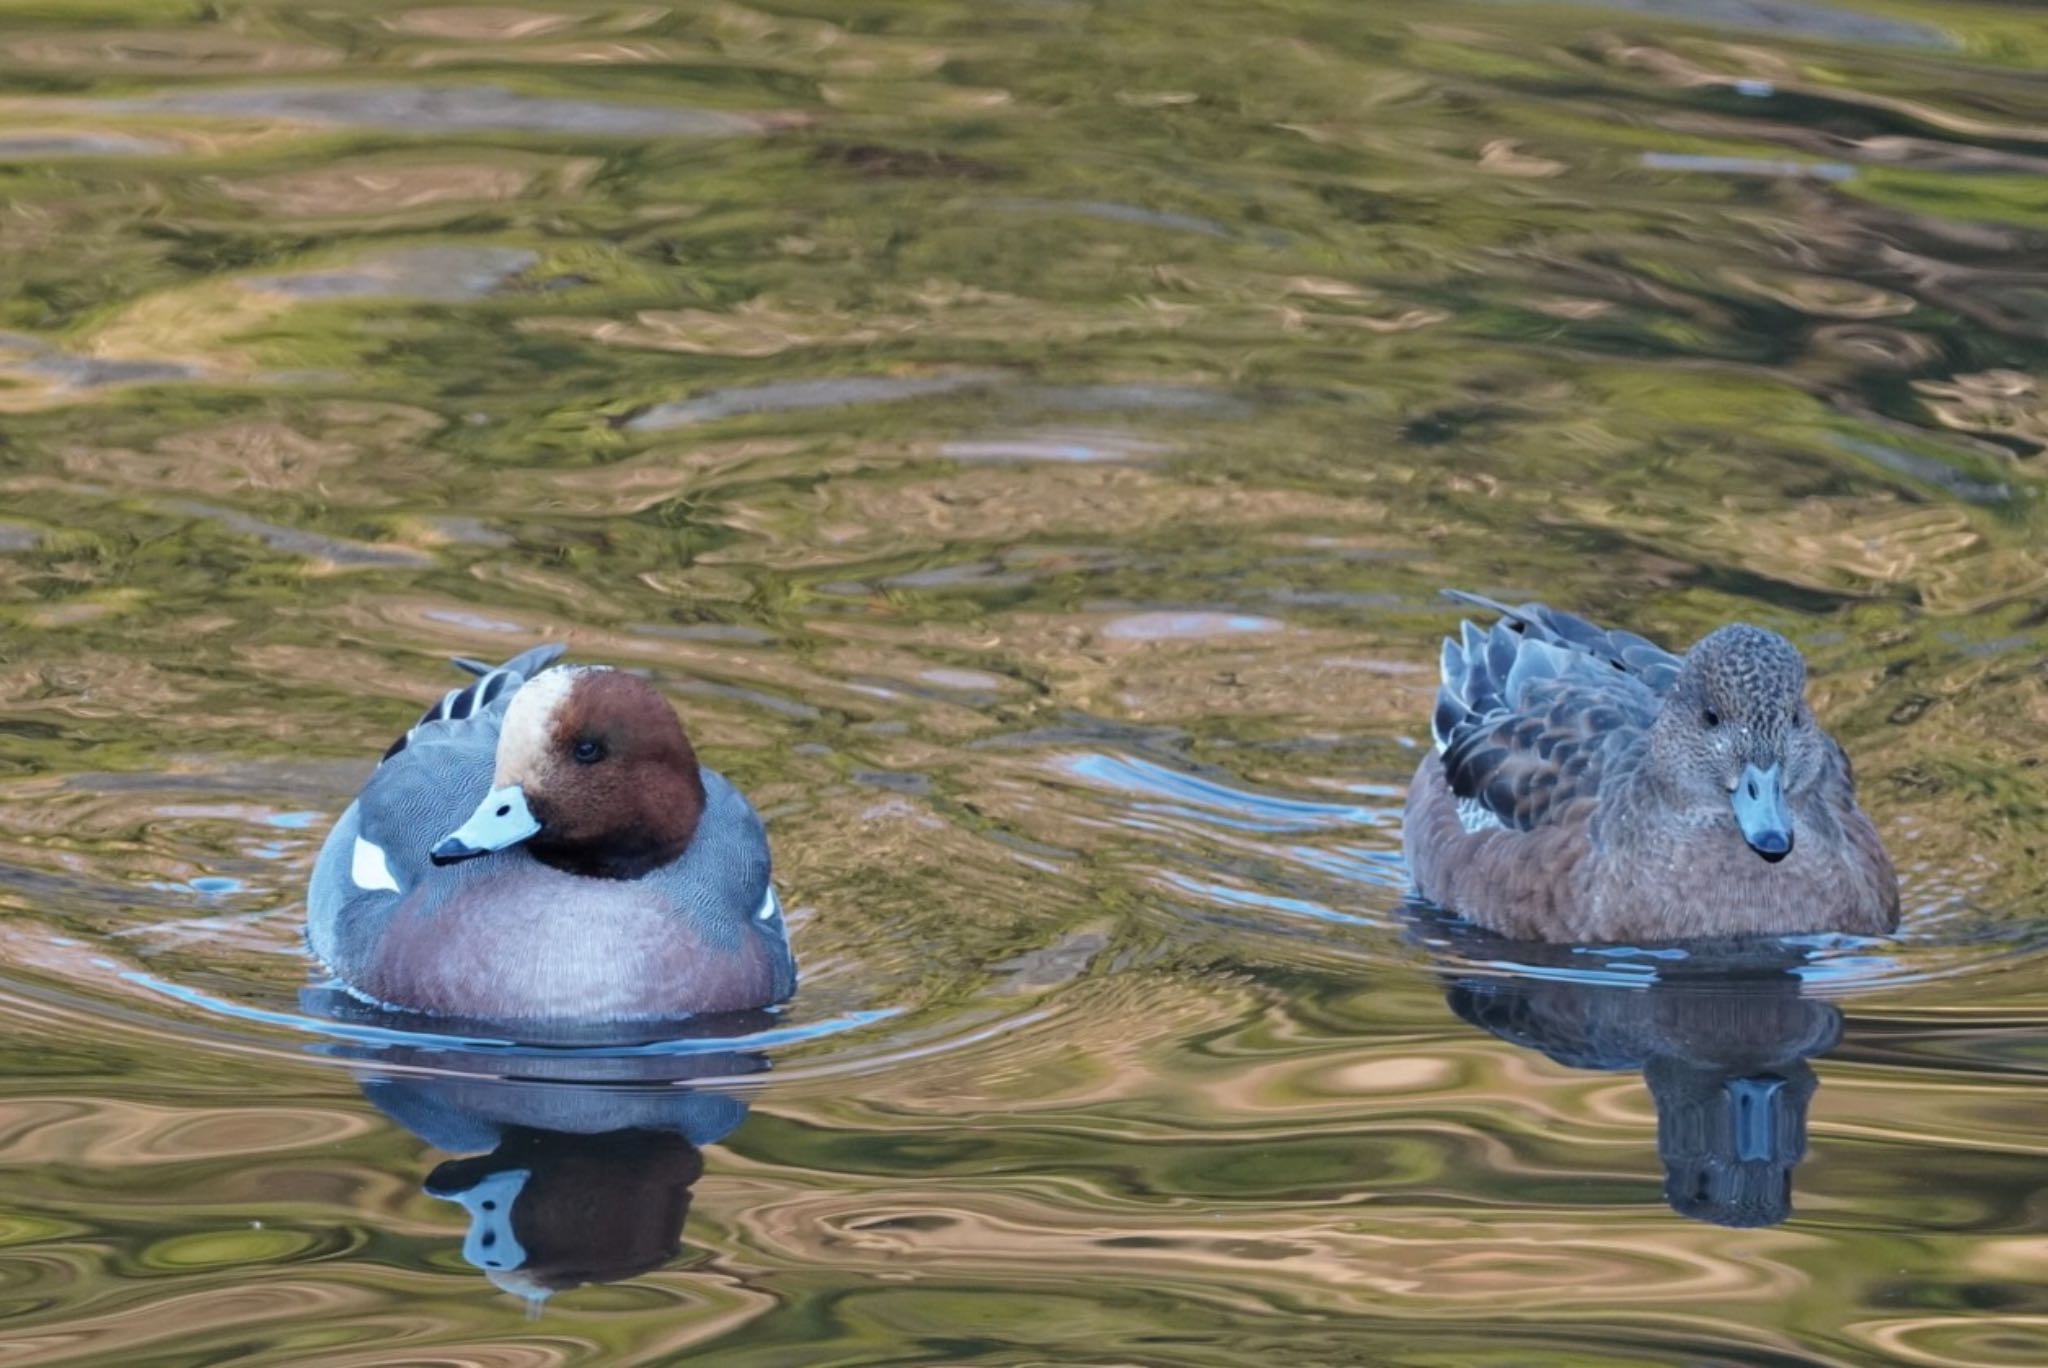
(1026, 439)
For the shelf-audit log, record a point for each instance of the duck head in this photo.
(1735, 737)
(594, 776)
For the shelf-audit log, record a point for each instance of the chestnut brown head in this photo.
(594, 775)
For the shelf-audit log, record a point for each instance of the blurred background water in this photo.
(1026, 438)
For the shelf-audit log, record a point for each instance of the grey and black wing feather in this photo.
(1528, 708)
(492, 683)
(1643, 659)
(423, 786)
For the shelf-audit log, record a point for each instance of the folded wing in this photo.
(1530, 710)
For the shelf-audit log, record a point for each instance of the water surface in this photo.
(1026, 439)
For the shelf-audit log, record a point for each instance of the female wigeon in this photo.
(1589, 786)
(544, 846)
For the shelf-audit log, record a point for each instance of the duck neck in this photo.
(612, 860)
(1644, 773)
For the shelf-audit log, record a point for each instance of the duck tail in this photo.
(1625, 651)
(1481, 601)
(526, 664)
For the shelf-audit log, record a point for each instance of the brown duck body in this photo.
(1601, 872)
(1563, 804)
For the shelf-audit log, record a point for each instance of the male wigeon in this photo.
(1587, 785)
(543, 846)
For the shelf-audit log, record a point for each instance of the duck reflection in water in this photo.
(1724, 1049)
(579, 1162)
(551, 1210)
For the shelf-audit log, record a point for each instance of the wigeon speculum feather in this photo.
(544, 846)
(1587, 785)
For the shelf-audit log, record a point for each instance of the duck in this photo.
(1589, 786)
(543, 846)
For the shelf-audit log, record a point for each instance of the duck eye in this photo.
(1711, 718)
(588, 751)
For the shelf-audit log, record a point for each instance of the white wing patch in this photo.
(1474, 815)
(369, 869)
(771, 906)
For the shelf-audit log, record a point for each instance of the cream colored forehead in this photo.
(530, 720)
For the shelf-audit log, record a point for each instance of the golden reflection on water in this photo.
(101, 1131)
(1328, 1265)
(1959, 1341)
(1026, 444)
